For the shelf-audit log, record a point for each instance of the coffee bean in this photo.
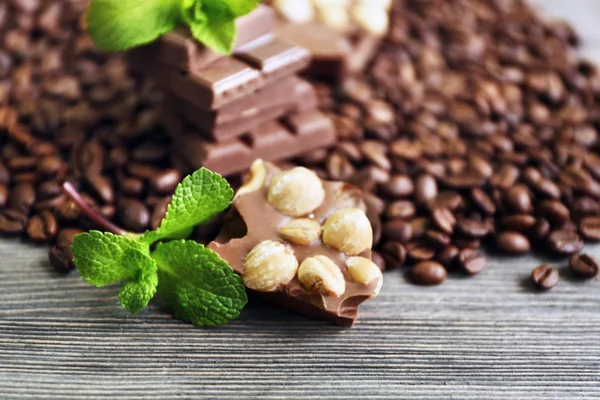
(400, 186)
(517, 199)
(547, 188)
(60, 259)
(584, 265)
(427, 273)
(22, 197)
(68, 210)
(544, 277)
(540, 230)
(554, 211)
(374, 204)
(50, 167)
(166, 181)
(42, 227)
(483, 201)
(471, 261)
(473, 228)
(426, 189)
(378, 260)
(394, 254)
(449, 200)
(3, 195)
(397, 230)
(375, 152)
(518, 223)
(66, 236)
(465, 180)
(565, 242)
(444, 219)
(586, 206)
(437, 238)
(447, 255)
(589, 228)
(133, 214)
(400, 209)
(513, 242)
(12, 221)
(420, 250)
(506, 177)
(101, 186)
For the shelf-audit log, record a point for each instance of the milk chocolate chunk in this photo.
(286, 95)
(275, 140)
(180, 49)
(272, 238)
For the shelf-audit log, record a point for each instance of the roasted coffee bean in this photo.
(584, 266)
(166, 181)
(339, 167)
(374, 204)
(450, 200)
(471, 261)
(50, 167)
(518, 223)
(400, 186)
(589, 227)
(517, 199)
(555, 212)
(101, 186)
(88, 158)
(547, 188)
(473, 228)
(483, 201)
(444, 219)
(426, 189)
(66, 236)
(133, 214)
(419, 226)
(565, 242)
(394, 254)
(544, 277)
(397, 230)
(420, 250)
(375, 152)
(540, 230)
(513, 242)
(61, 259)
(437, 238)
(68, 210)
(42, 227)
(12, 221)
(466, 180)
(506, 177)
(400, 209)
(586, 206)
(22, 197)
(4, 174)
(447, 255)
(3, 195)
(49, 189)
(427, 273)
(378, 260)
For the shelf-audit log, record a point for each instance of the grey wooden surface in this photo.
(490, 336)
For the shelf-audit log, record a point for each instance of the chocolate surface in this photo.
(273, 140)
(257, 220)
(286, 95)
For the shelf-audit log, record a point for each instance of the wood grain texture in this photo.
(487, 337)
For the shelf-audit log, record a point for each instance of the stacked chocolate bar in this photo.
(224, 112)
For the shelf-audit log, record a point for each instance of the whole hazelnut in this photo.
(320, 274)
(335, 16)
(365, 271)
(370, 17)
(269, 265)
(254, 179)
(296, 11)
(296, 192)
(301, 231)
(348, 230)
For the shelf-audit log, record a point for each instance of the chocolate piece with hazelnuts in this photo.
(301, 242)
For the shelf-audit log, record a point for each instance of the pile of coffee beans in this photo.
(475, 124)
(71, 113)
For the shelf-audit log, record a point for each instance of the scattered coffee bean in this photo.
(584, 265)
(565, 242)
(427, 273)
(394, 254)
(166, 181)
(444, 219)
(518, 223)
(589, 228)
(60, 259)
(471, 261)
(397, 230)
(12, 221)
(555, 212)
(447, 255)
(420, 250)
(513, 242)
(544, 277)
(133, 214)
(42, 227)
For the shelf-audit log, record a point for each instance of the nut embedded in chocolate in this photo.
(285, 259)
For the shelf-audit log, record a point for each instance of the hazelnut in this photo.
(320, 274)
(371, 18)
(296, 192)
(296, 11)
(385, 4)
(301, 231)
(254, 179)
(363, 270)
(335, 16)
(348, 230)
(269, 265)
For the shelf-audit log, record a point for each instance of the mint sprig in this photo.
(198, 284)
(116, 25)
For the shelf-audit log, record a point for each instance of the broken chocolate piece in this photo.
(306, 275)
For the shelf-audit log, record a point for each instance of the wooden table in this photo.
(491, 336)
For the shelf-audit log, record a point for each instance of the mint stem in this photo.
(92, 214)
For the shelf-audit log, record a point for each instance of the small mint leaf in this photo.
(98, 257)
(241, 7)
(212, 23)
(197, 198)
(116, 25)
(139, 289)
(198, 284)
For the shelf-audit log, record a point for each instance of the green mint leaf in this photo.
(241, 7)
(98, 257)
(116, 25)
(212, 23)
(197, 198)
(200, 286)
(139, 289)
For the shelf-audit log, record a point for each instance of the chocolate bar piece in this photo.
(294, 135)
(227, 78)
(329, 48)
(287, 260)
(290, 94)
(179, 48)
